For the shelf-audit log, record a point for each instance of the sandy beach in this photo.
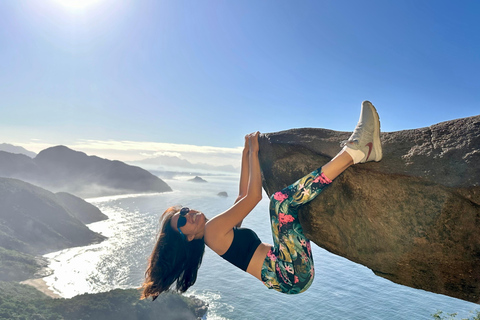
(41, 286)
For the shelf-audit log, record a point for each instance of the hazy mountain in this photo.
(80, 209)
(34, 220)
(172, 161)
(198, 179)
(17, 165)
(62, 169)
(16, 149)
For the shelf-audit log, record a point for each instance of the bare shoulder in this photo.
(217, 241)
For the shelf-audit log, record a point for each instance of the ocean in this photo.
(341, 289)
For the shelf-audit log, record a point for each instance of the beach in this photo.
(41, 286)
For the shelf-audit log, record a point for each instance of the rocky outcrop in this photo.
(197, 179)
(62, 169)
(80, 209)
(413, 218)
(33, 220)
(24, 302)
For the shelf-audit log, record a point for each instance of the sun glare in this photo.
(77, 4)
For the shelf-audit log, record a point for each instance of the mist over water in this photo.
(341, 289)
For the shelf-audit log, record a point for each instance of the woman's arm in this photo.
(244, 174)
(254, 176)
(224, 222)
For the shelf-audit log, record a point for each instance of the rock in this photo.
(413, 218)
(223, 194)
(197, 179)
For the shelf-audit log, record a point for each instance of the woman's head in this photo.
(190, 224)
(175, 257)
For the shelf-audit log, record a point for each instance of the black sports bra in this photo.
(244, 244)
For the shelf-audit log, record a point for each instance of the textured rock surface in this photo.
(413, 218)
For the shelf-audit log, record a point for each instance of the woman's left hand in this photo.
(253, 141)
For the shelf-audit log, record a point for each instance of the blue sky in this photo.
(205, 73)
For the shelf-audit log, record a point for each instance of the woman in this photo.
(287, 266)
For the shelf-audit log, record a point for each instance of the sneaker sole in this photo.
(377, 145)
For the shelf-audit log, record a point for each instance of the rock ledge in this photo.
(413, 218)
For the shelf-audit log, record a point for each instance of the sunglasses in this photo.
(182, 220)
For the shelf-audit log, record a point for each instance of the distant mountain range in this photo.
(171, 161)
(62, 169)
(16, 149)
(35, 221)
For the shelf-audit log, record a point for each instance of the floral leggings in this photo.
(288, 266)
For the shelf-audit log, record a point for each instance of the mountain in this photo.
(197, 179)
(16, 149)
(80, 209)
(34, 220)
(19, 166)
(62, 169)
(172, 161)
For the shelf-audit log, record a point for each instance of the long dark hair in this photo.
(172, 259)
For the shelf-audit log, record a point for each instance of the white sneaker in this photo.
(365, 137)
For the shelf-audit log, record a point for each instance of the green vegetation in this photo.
(439, 315)
(23, 302)
(15, 265)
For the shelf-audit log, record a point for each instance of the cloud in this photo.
(139, 150)
(162, 153)
(153, 147)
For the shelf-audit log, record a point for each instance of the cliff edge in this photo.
(413, 218)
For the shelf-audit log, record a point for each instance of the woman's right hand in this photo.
(253, 141)
(246, 147)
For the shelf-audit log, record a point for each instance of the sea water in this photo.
(341, 289)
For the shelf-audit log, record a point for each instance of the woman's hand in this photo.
(253, 141)
(246, 147)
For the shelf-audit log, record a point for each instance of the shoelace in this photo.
(351, 143)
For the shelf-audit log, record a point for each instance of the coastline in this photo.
(41, 286)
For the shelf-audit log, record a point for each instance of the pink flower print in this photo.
(312, 271)
(271, 255)
(304, 257)
(296, 279)
(284, 218)
(306, 192)
(303, 243)
(309, 248)
(322, 178)
(289, 269)
(281, 274)
(280, 196)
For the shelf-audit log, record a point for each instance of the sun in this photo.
(77, 4)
